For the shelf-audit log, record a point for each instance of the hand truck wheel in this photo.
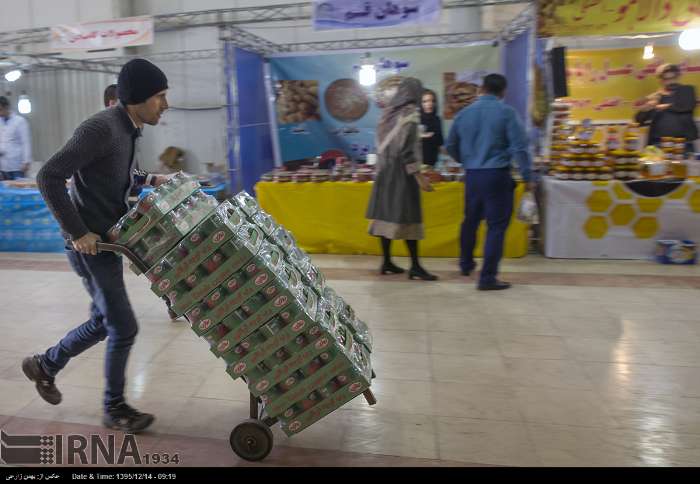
(251, 440)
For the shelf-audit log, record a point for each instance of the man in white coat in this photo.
(15, 143)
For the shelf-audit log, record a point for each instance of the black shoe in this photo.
(420, 273)
(391, 268)
(127, 419)
(467, 272)
(31, 366)
(494, 286)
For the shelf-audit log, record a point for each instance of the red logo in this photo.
(314, 331)
(321, 343)
(195, 237)
(164, 285)
(325, 356)
(251, 268)
(294, 426)
(261, 279)
(270, 290)
(245, 345)
(216, 296)
(223, 346)
(262, 386)
(290, 381)
(342, 378)
(192, 278)
(158, 270)
(232, 284)
(285, 315)
(355, 387)
(218, 237)
(239, 368)
(298, 325)
(281, 301)
(289, 413)
(204, 325)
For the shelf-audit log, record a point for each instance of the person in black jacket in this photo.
(431, 126)
(669, 111)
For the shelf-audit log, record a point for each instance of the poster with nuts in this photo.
(297, 101)
(458, 94)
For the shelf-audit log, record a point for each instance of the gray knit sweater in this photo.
(100, 158)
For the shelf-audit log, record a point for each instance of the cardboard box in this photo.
(280, 292)
(151, 209)
(337, 399)
(276, 334)
(208, 236)
(246, 244)
(326, 342)
(256, 275)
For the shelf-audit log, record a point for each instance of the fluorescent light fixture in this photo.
(12, 76)
(24, 105)
(689, 39)
(368, 75)
(648, 52)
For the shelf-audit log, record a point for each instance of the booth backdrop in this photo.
(347, 114)
(612, 84)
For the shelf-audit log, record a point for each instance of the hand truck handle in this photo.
(122, 250)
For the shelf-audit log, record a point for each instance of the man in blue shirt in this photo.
(484, 138)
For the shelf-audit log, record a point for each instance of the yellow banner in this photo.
(557, 18)
(612, 84)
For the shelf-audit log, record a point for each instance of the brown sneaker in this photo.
(31, 366)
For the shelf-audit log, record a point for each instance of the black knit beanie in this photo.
(139, 80)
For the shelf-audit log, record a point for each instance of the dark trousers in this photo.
(488, 194)
(11, 175)
(111, 317)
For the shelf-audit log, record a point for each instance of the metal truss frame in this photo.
(48, 62)
(389, 42)
(229, 16)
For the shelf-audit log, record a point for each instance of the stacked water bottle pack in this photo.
(256, 298)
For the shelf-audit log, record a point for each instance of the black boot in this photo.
(388, 267)
(417, 272)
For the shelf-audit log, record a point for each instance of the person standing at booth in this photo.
(395, 206)
(484, 137)
(669, 111)
(15, 143)
(431, 132)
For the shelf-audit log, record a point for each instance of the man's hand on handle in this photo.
(87, 244)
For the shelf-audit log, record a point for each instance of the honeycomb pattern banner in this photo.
(604, 219)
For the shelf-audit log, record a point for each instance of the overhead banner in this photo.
(108, 34)
(356, 14)
(612, 84)
(320, 105)
(615, 17)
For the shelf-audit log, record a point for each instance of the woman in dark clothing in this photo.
(432, 128)
(669, 111)
(394, 208)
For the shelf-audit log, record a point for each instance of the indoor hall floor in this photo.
(582, 363)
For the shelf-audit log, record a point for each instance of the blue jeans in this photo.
(111, 317)
(11, 175)
(488, 194)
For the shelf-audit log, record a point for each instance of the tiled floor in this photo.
(583, 363)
